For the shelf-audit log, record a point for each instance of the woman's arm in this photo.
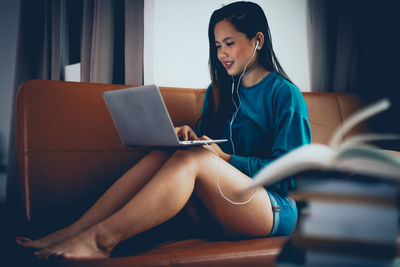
(289, 131)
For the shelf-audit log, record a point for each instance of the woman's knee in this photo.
(184, 157)
(196, 154)
(190, 158)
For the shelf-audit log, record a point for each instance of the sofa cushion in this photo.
(199, 252)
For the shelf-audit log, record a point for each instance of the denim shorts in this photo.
(285, 214)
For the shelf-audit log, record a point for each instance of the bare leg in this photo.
(165, 195)
(111, 201)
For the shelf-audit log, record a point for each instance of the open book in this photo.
(351, 156)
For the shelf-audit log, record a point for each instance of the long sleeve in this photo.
(273, 120)
(249, 165)
(208, 91)
(289, 131)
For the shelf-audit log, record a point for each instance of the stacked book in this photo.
(348, 198)
(344, 220)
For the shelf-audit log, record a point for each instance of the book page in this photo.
(365, 138)
(368, 160)
(314, 156)
(334, 157)
(332, 186)
(356, 118)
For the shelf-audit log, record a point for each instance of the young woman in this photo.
(252, 103)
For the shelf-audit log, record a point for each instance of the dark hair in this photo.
(248, 18)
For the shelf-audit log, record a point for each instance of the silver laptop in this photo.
(141, 118)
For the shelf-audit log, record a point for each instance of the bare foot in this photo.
(85, 245)
(48, 240)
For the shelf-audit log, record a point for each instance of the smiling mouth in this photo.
(228, 64)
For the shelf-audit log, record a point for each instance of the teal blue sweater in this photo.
(272, 120)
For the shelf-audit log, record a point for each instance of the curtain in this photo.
(39, 56)
(354, 48)
(112, 41)
(134, 39)
(110, 45)
(331, 30)
(97, 41)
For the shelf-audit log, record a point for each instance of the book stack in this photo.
(348, 198)
(344, 220)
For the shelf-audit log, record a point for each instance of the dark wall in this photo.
(9, 13)
(379, 58)
(364, 34)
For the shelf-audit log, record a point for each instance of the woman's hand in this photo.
(217, 149)
(185, 133)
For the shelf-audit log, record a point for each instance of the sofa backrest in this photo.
(69, 151)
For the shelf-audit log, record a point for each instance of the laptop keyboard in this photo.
(193, 142)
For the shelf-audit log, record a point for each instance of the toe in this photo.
(43, 254)
(23, 241)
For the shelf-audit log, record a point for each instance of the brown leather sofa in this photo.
(69, 153)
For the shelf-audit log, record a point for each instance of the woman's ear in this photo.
(260, 38)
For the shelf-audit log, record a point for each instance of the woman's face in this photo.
(234, 49)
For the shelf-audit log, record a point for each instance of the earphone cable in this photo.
(230, 134)
(219, 184)
(237, 92)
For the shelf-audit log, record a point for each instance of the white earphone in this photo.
(257, 47)
(230, 130)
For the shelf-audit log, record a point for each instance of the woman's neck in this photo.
(254, 76)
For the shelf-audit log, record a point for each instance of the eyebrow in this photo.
(227, 38)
